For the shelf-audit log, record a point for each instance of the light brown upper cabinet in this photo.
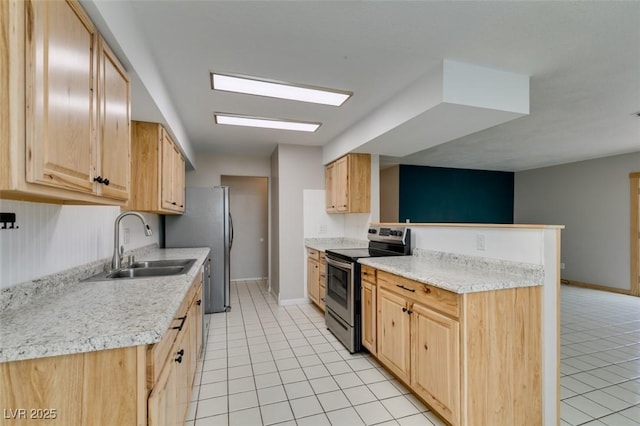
(65, 120)
(172, 175)
(158, 175)
(348, 184)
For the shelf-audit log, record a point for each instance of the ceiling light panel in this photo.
(278, 89)
(265, 123)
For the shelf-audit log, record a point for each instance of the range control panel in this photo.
(387, 233)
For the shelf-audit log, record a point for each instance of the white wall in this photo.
(592, 199)
(209, 168)
(52, 238)
(248, 200)
(515, 245)
(317, 222)
(299, 168)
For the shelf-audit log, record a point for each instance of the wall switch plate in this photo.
(562, 265)
(481, 242)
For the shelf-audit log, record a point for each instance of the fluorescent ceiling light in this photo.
(278, 89)
(267, 123)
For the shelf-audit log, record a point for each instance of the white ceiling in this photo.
(583, 59)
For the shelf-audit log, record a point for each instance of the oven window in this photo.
(338, 285)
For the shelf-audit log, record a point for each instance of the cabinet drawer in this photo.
(313, 253)
(158, 353)
(433, 297)
(368, 274)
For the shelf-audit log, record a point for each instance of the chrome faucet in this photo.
(118, 251)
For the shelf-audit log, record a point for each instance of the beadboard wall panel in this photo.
(52, 238)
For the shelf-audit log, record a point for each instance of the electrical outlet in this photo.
(562, 265)
(481, 242)
(126, 236)
(323, 229)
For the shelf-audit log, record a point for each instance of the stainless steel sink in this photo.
(147, 269)
(146, 272)
(186, 263)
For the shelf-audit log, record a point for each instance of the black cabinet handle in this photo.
(180, 352)
(404, 309)
(181, 323)
(174, 203)
(179, 359)
(409, 311)
(100, 179)
(199, 302)
(181, 205)
(405, 288)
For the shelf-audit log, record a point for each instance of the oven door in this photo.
(340, 296)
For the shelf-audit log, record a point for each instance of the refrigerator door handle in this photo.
(231, 234)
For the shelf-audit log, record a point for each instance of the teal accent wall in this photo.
(445, 195)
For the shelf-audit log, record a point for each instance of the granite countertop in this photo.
(324, 244)
(459, 273)
(80, 317)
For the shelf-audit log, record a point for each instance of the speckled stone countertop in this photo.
(459, 273)
(74, 316)
(324, 244)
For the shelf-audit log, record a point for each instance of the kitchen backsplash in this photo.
(52, 238)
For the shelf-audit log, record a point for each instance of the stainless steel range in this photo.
(343, 305)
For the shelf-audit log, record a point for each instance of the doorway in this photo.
(249, 206)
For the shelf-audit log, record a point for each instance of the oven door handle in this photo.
(339, 264)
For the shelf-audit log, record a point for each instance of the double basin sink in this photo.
(147, 269)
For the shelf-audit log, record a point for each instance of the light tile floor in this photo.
(267, 364)
(600, 358)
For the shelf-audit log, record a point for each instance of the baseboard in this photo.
(248, 279)
(595, 286)
(285, 302)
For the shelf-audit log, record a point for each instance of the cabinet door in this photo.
(341, 184)
(394, 333)
(198, 305)
(313, 276)
(182, 358)
(178, 188)
(435, 372)
(162, 404)
(330, 200)
(167, 171)
(114, 135)
(369, 316)
(60, 95)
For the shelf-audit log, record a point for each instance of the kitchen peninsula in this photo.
(470, 321)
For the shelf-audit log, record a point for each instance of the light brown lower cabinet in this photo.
(316, 277)
(369, 315)
(135, 385)
(435, 360)
(474, 359)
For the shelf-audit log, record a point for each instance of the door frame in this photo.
(634, 180)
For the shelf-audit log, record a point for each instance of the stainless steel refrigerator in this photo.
(206, 222)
